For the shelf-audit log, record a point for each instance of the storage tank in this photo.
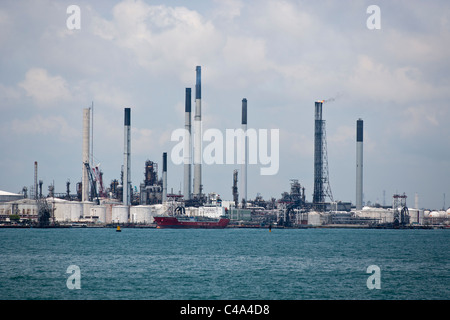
(87, 205)
(119, 214)
(158, 209)
(314, 218)
(100, 212)
(62, 210)
(435, 214)
(108, 207)
(414, 215)
(141, 214)
(76, 211)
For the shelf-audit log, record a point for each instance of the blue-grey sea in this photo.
(228, 264)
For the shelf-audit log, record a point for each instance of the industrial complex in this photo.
(95, 204)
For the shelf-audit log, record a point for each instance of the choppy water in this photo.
(224, 264)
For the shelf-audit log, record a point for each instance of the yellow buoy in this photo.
(118, 229)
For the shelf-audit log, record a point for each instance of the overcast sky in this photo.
(280, 55)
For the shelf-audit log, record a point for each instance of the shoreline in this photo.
(249, 226)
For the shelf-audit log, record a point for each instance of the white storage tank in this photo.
(141, 214)
(76, 211)
(100, 212)
(87, 205)
(158, 209)
(62, 210)
(314, 218)
(119, 214)
(108, 207)
(438, 214)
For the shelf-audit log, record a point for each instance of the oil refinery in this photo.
(94, 204)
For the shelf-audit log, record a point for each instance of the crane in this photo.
(91, 179)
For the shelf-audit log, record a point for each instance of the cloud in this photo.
(143, 140)
(159, 37)
(44, 89)
(38, 125)
(401, 84)
(227, 9)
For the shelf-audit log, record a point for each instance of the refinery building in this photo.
(95, 204)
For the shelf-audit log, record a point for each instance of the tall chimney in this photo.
(86, 154)
(187, 147)
(245, 153)
(318, 195)
(126, 159)
(416, 201)
(359, 163)
(198, 136)
(35, 180)
(164, 176)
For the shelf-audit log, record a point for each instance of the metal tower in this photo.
(401, 212)
(322, 187)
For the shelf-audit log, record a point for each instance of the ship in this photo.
(183, 222)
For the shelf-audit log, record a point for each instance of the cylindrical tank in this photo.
(119, 214)
(87, 205)
(76, 211)
(314, 218)
(100, 212)
(108, 207)
(62, 210)
(141, 214)
(158, 209)
(434, 214)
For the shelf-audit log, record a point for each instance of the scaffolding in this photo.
(401, 212)
(322, 187)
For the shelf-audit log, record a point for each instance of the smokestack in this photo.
(245, 153)
(187, 146)
(35, 180)
(198, 136)
(318, 195)
(86, 154)
(416, 201)
(164, 174)
(235, 189)
(359, 163)
(126, 159)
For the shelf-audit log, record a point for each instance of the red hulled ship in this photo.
(191, 222)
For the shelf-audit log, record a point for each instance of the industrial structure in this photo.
(244, 153)
(126, 159)
(151, 189)
(94, 204)
(188, 147)
(234, 189)
(164, 174)
(85, 154)
(322, 187)
(198, 137)
(359, 163)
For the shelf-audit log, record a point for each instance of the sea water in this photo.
(227, 264)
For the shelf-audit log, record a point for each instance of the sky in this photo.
(281, 56)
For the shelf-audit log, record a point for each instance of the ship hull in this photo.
(173, 222)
